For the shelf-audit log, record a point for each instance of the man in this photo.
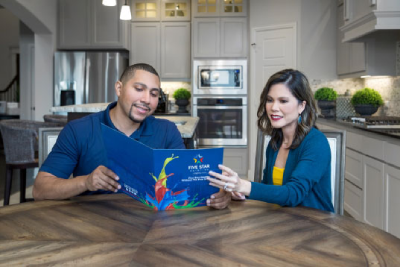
(79, 149)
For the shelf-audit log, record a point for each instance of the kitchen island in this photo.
(186, 124)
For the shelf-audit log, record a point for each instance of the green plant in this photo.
(367, 96)
(325, 93)
(181, 93)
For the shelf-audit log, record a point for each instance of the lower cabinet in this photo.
(236, 159)
(373, 173)
(392, 200)
(353, 200)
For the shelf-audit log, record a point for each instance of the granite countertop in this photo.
(359, 130)
(186, 124)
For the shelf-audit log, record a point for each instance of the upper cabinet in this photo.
(156, 10)
(371, 55)
(220, 37)
(363, 17)
(87, 24)
(219, 8)
(160, 36)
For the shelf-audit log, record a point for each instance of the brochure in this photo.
(161, 179)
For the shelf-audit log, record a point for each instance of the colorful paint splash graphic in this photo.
(164, 197)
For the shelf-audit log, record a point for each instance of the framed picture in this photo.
(47, 139)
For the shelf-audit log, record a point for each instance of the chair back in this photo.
(337, 144)
(20, 140)
(61, 120)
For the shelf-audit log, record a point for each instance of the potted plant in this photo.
(366, 101)
(181, 96)
(326, 101)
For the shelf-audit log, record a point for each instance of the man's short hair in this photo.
(129, 72)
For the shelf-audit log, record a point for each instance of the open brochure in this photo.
(161, 178)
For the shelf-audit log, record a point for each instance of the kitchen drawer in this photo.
(354, 141)
(353, 200)
(354, 168)
(373, 147)
(392, 154)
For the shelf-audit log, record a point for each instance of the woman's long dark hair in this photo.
(299, 86)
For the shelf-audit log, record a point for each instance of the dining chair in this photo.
(337, 144)
(62, 120)
(20, 139)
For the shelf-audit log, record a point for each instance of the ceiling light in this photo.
(365, 76)
(109, 2)
(125, 12)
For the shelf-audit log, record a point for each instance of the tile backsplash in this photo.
(388, 87)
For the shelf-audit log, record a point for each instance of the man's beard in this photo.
(131, 116)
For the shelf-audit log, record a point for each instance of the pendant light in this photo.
(109, 2)
(125, 12)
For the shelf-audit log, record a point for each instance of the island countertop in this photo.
(186, 124)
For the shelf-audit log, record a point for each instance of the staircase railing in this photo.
(11, 93)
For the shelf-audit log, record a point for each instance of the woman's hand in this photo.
(229, 181)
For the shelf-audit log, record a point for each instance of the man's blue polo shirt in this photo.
(80, 149)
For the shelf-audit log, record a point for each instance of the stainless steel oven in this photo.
(221, 77)
(223, 120)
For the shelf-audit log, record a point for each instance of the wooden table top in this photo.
(115, 230)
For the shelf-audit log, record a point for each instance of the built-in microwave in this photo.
(220, 77)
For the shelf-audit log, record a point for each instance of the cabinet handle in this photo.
(373, 2)
(253, 44)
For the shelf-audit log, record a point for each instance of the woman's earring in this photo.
(299, 119)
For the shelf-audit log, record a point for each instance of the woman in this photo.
(297, 170)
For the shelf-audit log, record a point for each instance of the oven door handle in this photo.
(218, 107)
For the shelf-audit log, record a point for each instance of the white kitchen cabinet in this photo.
(236, 159)
(175, 10)
(354, 168)
(145, 10)
(87, 24)
(219, 8)
(392, 200)
(364, 17)
(175, 50)
(163, 45)
(350, 56)
(145, 44)
(353, 200)
(373, 172)
(220, 37)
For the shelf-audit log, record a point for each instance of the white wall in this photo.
(316, 27)
(41, 17)
(9, 36)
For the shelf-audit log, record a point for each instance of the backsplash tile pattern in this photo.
(388, 87)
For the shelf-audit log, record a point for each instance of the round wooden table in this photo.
(115, 230)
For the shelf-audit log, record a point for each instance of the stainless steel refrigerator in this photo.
(83, 77)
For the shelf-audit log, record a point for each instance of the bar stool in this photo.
(20, 139)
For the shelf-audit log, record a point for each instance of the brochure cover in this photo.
(161, 179)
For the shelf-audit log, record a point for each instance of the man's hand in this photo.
(102, 178)
(219, 200)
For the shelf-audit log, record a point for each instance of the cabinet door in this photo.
(342, 49)
(354, 168)
(233, 8)
(175, 10)
(145, 10)
(206, 8)
(236, 159)
(145, 44)
(373, 191)
(206, 37)
(357, 57)
(107, 28)
(175, 50)
(233, 37)
(353, 200)
(392, 200)
(74, 23)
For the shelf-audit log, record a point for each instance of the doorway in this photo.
(274, 48)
